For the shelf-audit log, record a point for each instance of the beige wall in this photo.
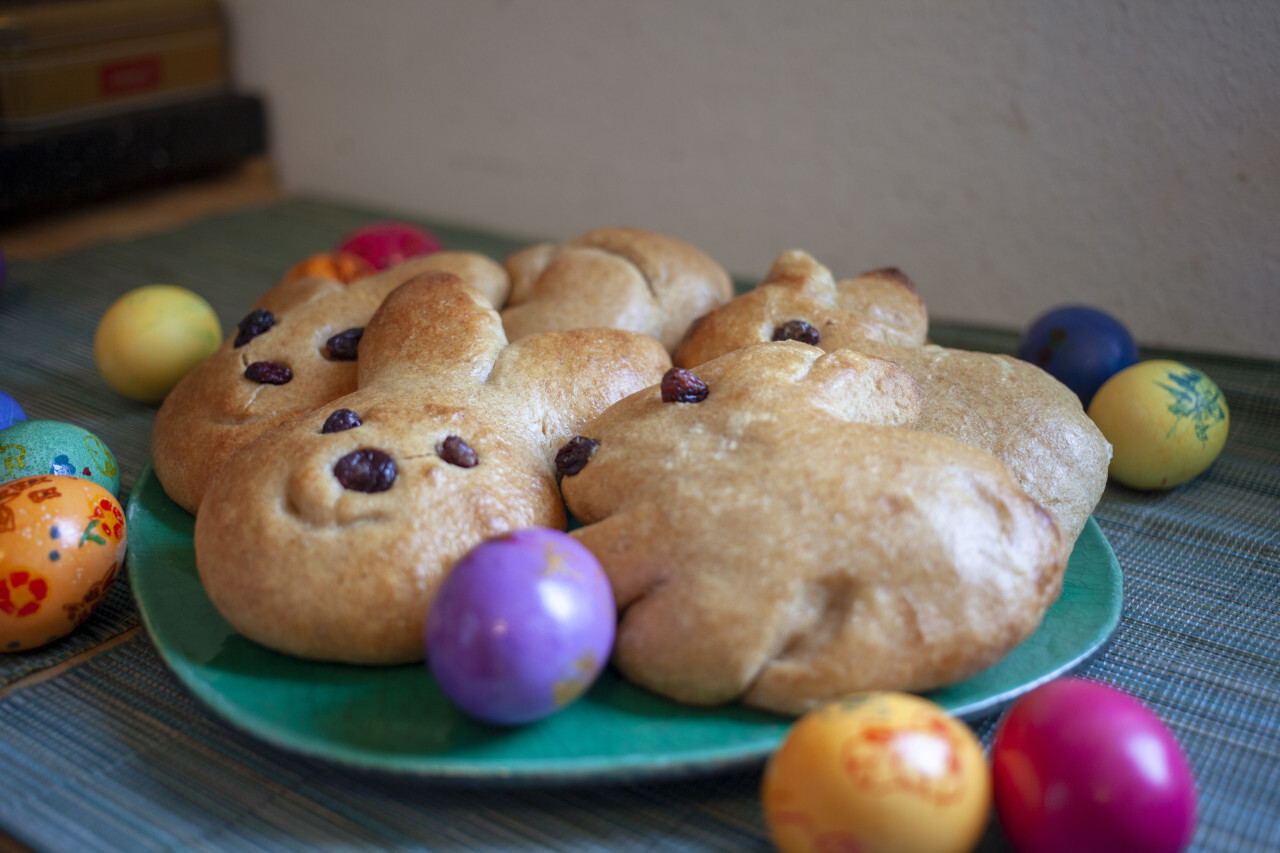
(1009, 156)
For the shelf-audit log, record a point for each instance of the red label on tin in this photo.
(130, 76)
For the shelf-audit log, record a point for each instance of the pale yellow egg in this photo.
(152, 337)
(889, 772)
(1166, 421)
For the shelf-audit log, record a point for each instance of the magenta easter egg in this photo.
(1078, 765)
(62, 542)
(386, 244)
(521, 627)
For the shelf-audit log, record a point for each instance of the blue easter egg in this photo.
(10, 411)
(1081, 347)
(54, 447)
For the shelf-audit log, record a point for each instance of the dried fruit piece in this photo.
(365, 470)
(344, 346)
(268, 372)
(682, 386)
(796, 330)
(575, 454)
(455, 451)
(254, 324)
(340, 421)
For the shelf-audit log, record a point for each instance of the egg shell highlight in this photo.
(29, 448)
(152, 337)
(62, 543)
(1166, 421)
(877, 771)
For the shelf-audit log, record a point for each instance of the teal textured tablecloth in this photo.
(113, 754)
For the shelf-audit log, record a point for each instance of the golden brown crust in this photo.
(215, 410)
(622, 278)
(878, 306)
(790, 538)
(1008, 407)
(297, 562)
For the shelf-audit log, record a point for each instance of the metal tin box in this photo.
(63, 61)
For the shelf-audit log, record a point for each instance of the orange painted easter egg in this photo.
(339, 266)
(62, 543)
(889, 772)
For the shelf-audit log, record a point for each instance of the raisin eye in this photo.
(340, 421)
(268, 373)
(344, 346)
(365, 471)
(254, 324)
(575, 454)
(455, 451)
(796, 330)
(682, 386)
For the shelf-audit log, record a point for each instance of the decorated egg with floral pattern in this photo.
(1167, 422)
(62, 543)
(55, 447)
(890, 772)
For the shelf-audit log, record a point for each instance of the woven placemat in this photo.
(114, 754)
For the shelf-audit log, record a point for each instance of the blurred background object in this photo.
(103, 97)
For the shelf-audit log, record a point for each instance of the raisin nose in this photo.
(575, 454)
(268, 373)
(682, 386)
(365, 470)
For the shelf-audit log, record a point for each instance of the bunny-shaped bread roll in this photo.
(1029, 420)
(327, 537)
(294, 351)
(619, 278)
(776, 532)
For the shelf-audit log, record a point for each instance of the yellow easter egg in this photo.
(1166, 422)
(886, 772)
(152, 337)
(62, 543)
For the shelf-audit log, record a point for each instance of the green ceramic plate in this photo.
(397, 719)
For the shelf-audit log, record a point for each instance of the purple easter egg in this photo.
(387, 244)
(521, 627)
(1081, 347)
(1078, 765)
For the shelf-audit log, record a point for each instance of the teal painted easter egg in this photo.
(29, 448)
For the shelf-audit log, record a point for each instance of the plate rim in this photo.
(614, 769)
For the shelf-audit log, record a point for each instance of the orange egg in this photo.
(62, 542)
(885, 772)
(339, 266)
